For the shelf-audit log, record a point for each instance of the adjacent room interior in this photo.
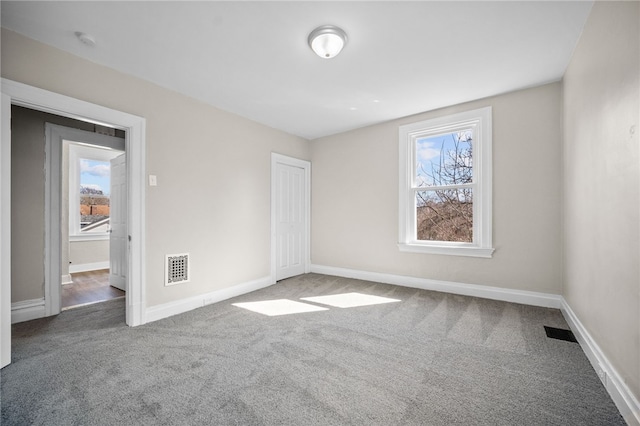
(436, 221)
(85, 205)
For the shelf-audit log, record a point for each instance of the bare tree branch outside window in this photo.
(445, 214)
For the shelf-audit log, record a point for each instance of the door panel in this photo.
(118, 224)
(291, 226)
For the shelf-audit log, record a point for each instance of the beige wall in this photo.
(355, 198)
(27, 199)
(601, 168)
(213, 168)
(82, 252)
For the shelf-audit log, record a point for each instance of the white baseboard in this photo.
(166, 310)
(27, 310)
(66, 279)
(86, 267)
(532, 298)
(624, 399)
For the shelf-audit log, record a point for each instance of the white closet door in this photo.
(291, 217)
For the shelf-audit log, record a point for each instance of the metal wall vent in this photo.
(176, 269)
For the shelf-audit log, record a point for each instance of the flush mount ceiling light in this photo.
(327, 41)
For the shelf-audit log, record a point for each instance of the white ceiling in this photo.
(252, 58)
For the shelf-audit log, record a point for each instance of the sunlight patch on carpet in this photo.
(350, 300)
(279, 307)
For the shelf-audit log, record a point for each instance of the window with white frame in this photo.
(445, 185)
(89, 188)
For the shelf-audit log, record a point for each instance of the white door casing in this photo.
(15, 93)
(290, 204)
(117, 224)
(5, 232)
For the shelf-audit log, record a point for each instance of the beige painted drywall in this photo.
(82, 252)
(27, 199)
(213, 168)
(355, 198)
(601, 181)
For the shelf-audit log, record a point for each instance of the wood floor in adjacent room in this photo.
(89, 287)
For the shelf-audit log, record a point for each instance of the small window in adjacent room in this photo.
(445, 185)
(89, 188)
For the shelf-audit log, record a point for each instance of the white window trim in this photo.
(78, 151)
(482, 245)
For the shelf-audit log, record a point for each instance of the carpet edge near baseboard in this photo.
(544, 300)
(165, 310)
(627, 403)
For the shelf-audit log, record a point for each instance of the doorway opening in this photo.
(93, 223)
(67, 212)
(19, 94)
(86, 200)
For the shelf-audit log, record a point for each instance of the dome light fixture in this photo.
(327, 41)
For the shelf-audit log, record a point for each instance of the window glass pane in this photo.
(444, 159)
(95, 184)
(445, 215)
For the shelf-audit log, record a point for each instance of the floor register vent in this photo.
(560, 334)
(176, 269)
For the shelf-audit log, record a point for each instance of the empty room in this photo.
(331, 213)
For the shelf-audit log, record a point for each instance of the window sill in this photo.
(89, 237)
(448, 250)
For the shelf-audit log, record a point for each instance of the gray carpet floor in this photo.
(430, 359)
